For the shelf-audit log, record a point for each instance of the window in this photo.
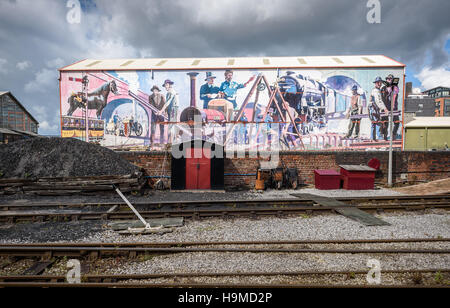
(34, 127)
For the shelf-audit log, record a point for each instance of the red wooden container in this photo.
(327, 179)
(357, 177)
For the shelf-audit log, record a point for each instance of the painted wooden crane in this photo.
(276, 98)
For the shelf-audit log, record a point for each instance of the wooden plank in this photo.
(38, 268)
(54, 192)
(58, 187)
(84, 178)
(155, 222)
(15, 180)
(98, 182)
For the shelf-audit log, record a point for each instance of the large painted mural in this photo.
(247, 109)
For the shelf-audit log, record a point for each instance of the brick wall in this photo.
(431, 165)
(154, 163)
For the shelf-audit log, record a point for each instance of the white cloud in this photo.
(55, 63)
(131, 78)
(3, 69)
(39, 111)
(431, 78)
(45, 126)
(43, 80)
(23, 65)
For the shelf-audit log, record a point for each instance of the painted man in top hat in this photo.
(355, 108)
(229, 87)
(157, 100)
(376, 107)
(390, 98)
(171, 100)
(208, 91)
(171, 104)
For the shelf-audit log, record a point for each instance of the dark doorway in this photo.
(200, 166)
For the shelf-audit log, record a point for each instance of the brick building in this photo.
(15, 121)
(441, 96)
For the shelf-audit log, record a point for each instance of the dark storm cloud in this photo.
(408, 29)
(38, 34)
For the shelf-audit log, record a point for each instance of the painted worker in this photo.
(208, 91)
(229, 88)
(389, 94)
(354, 109)
(157, 100)
(116, 119)
(241, 132)
(376, 108)
(171, 100)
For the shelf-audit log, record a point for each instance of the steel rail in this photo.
(114, 278)
(95, 252)
(203, 285)
(184, 244)
(7, 207)
(6, 216)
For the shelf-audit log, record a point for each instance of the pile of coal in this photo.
(60, 157)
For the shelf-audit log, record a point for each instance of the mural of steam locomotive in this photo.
(309, 101)
(301, 102)
(313, 101)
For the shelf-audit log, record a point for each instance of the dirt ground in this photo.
(430, 188)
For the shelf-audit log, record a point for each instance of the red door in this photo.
(198, 170)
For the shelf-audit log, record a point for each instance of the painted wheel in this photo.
(294, 184)
(139, 129)
(279, 184)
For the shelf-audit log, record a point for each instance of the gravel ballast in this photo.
(325, 227)
(435, 224)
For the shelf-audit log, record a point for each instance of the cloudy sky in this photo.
(37, 39)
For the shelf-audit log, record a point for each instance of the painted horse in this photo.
(96, 99)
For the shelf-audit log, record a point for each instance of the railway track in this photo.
(89, 253)
(382, 200)
(172, 280)
(224, 209)
(101, 250)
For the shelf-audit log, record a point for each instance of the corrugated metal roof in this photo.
(8, 131)
(23, 132)
(233, 62)
(429, 122)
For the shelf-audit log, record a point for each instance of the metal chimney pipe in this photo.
(193, 76)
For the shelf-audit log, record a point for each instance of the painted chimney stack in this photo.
(193, 76)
